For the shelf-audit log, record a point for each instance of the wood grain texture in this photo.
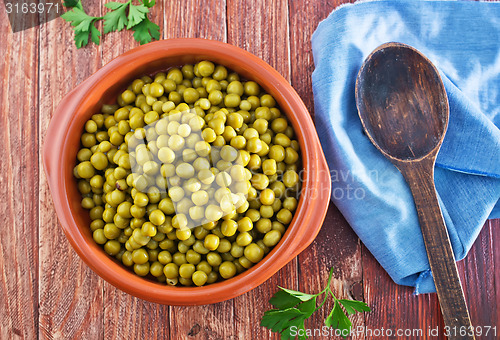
(305, 15)
(480, 276)
(336, 246)
(195, 19)
(212, 322)
(18, 181)
(47, 292)
(385, 298)
(198, 19)
(261, 27)
(125, 316)
(70, 293)
(325, 251)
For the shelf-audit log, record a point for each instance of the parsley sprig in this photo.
(122, 15)
(293, 308)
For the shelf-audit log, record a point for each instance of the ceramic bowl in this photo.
(63, 142)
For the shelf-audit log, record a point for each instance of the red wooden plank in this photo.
(480, 276)
(261, 27)
(18, 180)
(198, 19)
(305, 15)
(395, 307)
(336, 245)
(70, 293)
(125, 316)
(203, 322)
(195, 19)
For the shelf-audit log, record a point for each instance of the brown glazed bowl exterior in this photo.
(63, 142)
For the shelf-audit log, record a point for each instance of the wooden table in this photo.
(46, 291)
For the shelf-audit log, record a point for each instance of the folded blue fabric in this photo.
(463, 40)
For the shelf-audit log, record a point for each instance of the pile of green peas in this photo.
(192, 177)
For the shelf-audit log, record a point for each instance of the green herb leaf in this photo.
(116, 5)
(149, 3)
(352, 306)
(83, 25)
(145, 31)
(298, 325)
(285, 321)
(72, 3)
(78, 19)
(81, 38)
(294, 307)
(337, 319)
(136, 15)
(299, 295)
(95, 34)
(283, 300)
(122, 15)
(308, 307)
(117, 18)
(278, 320)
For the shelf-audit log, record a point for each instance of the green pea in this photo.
(235, 87)
(171, 271)
(220, 73)
(232, 100)
(176, 75)
(164, 257)
(193, 257)
(199, 278)
(186, 270)
(272, 238)
(85, 169)
(251, 88)
(253, 253)
(88, 140)
(211, 242)
(99, 237)
(267, 100)
(227, 269)
(190, 95)
(156, 269)
(284, 216)
(243, 239)
(112, 247)
(215, 97)
(157, 217)
(99, 161)
(224, 246)
(206, 68)
(141, 269)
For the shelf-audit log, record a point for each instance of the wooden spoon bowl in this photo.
(403, 103)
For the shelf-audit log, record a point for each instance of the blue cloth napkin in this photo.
(463, 40)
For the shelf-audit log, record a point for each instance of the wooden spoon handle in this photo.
(420, 178)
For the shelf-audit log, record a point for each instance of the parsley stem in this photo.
(326, 290)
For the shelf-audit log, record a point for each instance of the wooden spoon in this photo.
(404, 110)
